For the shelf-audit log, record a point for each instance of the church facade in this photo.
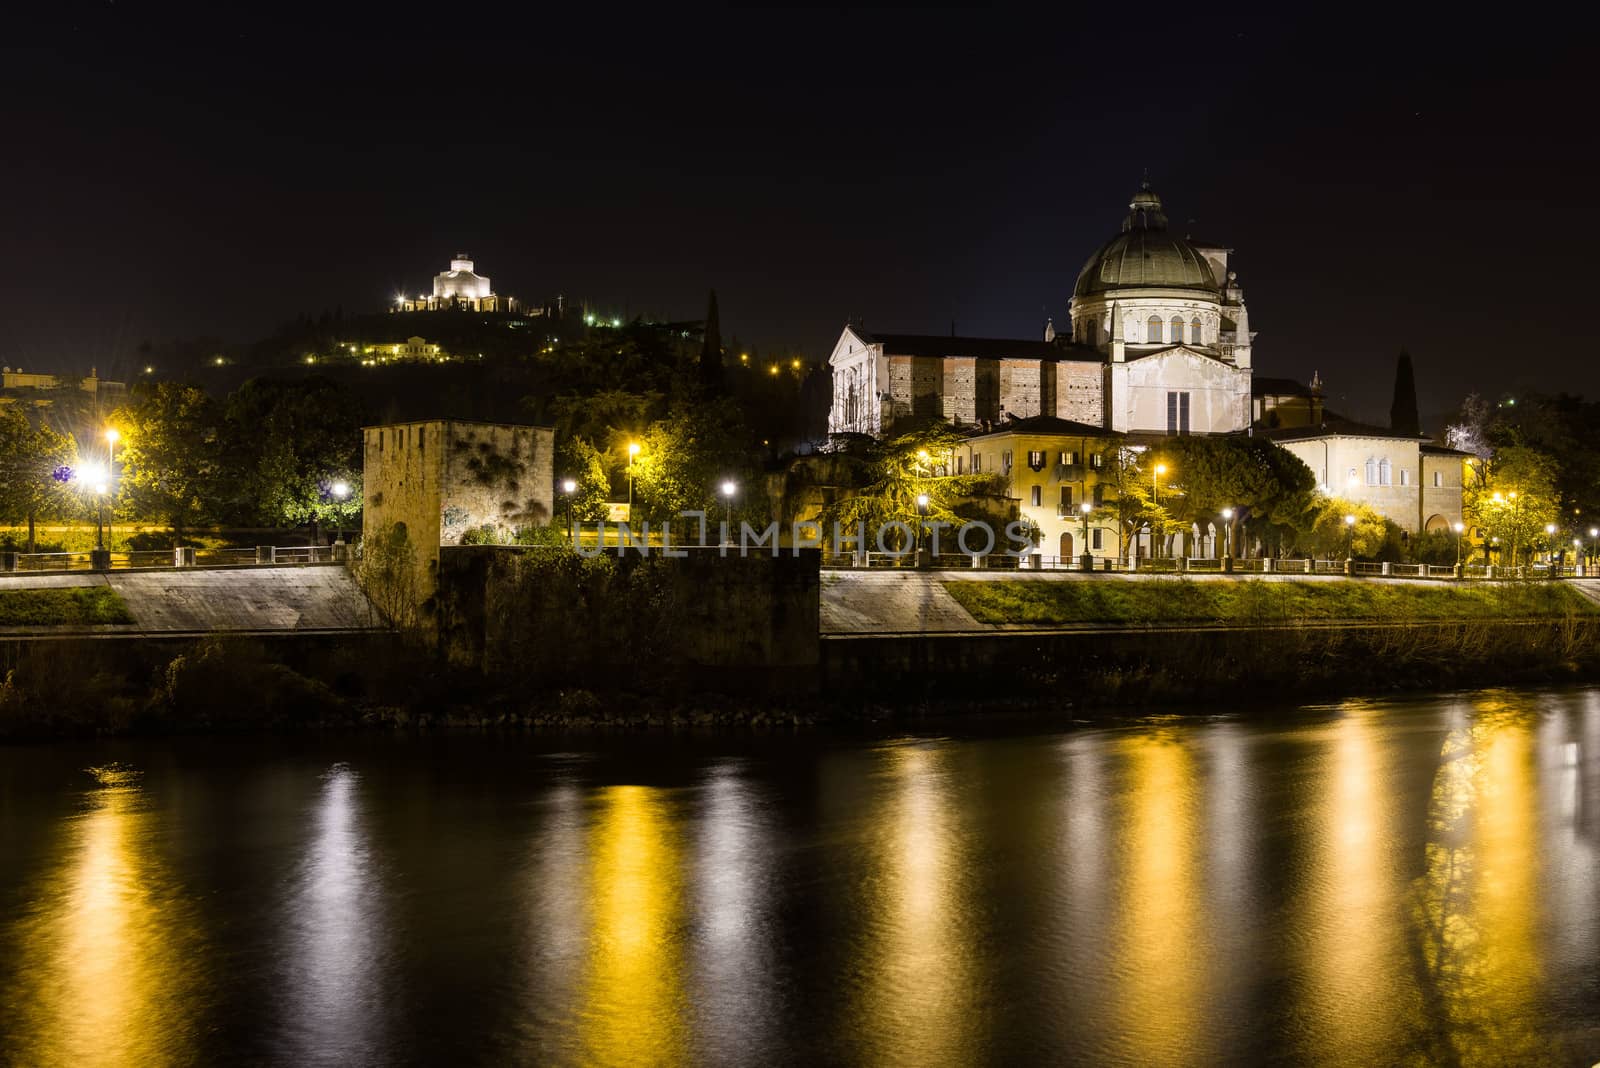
(1160, 342)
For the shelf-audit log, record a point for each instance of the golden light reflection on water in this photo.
(107, 979)
(1161, 941)
(919, 1004)
(1475, 909)
(1354, 942)
(633, 1008)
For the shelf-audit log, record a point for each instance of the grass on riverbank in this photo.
(1044, 602)
(61, 607)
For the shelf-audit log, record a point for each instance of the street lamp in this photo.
(1085, 557)
(341, 493)
(633, 450)
(1459, 527)
(111, 471)
(1155, 501)
(729, 488)
(922, 512)
(568, 488)
(1227, 533)
(1350, 551)
(1594, 532)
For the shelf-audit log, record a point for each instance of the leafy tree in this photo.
(1329, 535)
(684, 457)
(1512, 501)
(1403, 418)
(171, 443)
(1268, 488)
(287, 444)
(32, 463)
(893, 474)
(579, 460)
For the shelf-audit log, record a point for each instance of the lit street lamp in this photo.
(111, 471)
(568, 488)
(1459, 527)
(729, 488)
(1155, 501)
(1086, 558)
(1227, 538)
(633, 450)
(922, 512)
(341, 493)
(1350, 551)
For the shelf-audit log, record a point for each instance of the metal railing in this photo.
(263, 556)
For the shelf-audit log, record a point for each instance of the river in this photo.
(1373, 882)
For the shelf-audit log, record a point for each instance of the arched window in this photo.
(1177, 330)
(1194, 332)
(1372, 471)
(1153, 330)
(1384, 472)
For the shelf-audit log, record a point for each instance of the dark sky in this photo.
(1385, 182)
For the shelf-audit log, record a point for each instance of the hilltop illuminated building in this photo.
(459, 287)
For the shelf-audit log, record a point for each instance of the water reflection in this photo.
(111, 962)
(920, 1004)
(733, 947)
(1475, 913)
(1161, 944)
(633, 1006)
(334, 980)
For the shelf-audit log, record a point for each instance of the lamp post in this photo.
(1227, 539)
(568, 488)
(111, 473)
(1594, 532)
(633, 450)
(729, 488)
(1458, 528)
(922, 514)
(1155, 501)
(1350, 550)
(1085, 558)
(341, 493)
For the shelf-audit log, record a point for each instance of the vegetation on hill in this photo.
(1045, 602)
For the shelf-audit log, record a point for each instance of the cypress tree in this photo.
(1403, 417)
(711, 346)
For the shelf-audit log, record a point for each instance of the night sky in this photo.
(1383, 185)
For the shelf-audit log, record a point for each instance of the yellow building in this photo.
(1054, 467)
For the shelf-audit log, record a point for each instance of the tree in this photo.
(684, 457)
(711, 347)
(287, 444)
(170, 454)
(579, 460)
(1267, 487)
(1403, 417)
(1329, 535)
(33, 465)
(1512, 501)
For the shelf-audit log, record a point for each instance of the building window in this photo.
(1153, 330)
(977, 462)
(1194, 332)
(1438, 479)
(1099, 494)
(1038, 496)
(422, 439)
(1405, 476)
(1036, 459)
(1005, 462)
(1094, 536)
(1372, 471)
(1384, 472)
(1177, 412)
(960, 464)
(1096, 459)
(1177, 331)
(1352, 475)
(1069, 459)
(1066, 499)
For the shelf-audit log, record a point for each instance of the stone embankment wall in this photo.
(550, 617)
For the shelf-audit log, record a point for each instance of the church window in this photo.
(1153, 330)
(1194, 332)
(1038, 496)
(1177, 412)
(1372, 471)
(1177, 331)
(1384, 472)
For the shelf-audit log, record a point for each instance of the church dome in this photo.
(1145, 255)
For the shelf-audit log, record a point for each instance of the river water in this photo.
(1365, 883)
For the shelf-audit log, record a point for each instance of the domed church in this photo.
(1160, 343)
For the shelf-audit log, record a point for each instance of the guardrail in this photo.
(139, 559)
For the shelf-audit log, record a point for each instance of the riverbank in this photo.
(75, 687)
